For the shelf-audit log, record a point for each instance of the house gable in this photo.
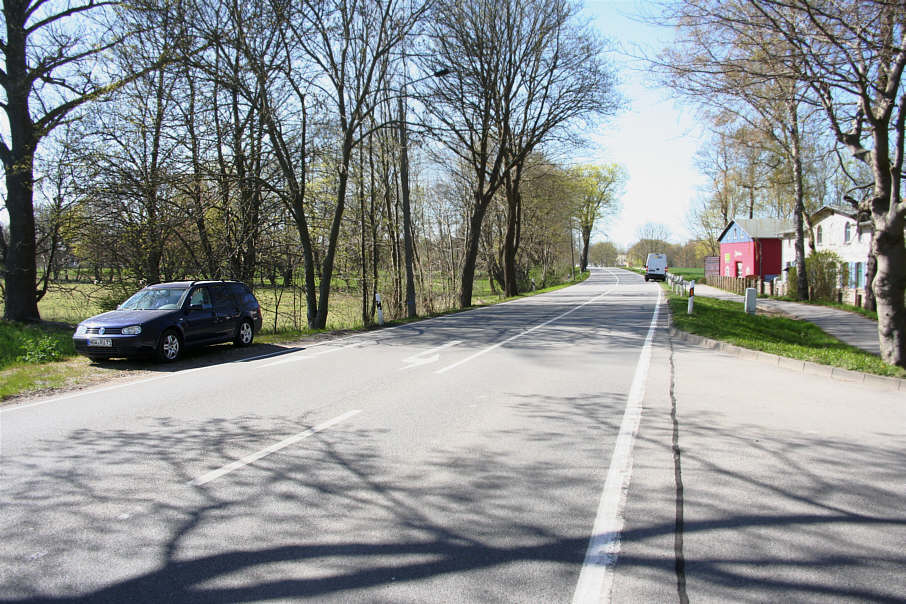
(734, 233)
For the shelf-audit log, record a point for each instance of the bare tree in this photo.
(728, 60)
(847, 57)
(349, 43)
(53, 64)
(853, 56)
(523, 70)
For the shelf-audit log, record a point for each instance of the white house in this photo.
(836, 230)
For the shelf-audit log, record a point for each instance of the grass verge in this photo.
(728, 322)
(33, 378)
(22, 344)
(688, 274)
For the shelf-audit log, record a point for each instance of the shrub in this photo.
(111, 301)
(821, 268)
(821, 271)
(41, 349)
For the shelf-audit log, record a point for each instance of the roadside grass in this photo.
(688, 274)
(22, 344)
(32, 378)
(35, 357)
(728, 322)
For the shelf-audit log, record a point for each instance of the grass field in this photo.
(283, 308)
(689, 274)
(728, 322)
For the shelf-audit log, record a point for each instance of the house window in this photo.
(820, 235)
(858, 281)
(847, 233)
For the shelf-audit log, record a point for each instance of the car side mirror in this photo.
(194, 307)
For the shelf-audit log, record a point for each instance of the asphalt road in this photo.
(560, 448)
(460, 459)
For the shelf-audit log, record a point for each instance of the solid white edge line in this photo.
(253, 457)
(595, 582)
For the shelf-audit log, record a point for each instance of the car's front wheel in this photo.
(169, 347)
(245, 334)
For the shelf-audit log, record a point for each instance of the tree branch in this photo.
(62, 15)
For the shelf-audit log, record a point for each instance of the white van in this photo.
(656, 267)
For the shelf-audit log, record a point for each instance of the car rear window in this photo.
(244, 295)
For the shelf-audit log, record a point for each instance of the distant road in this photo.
(459, 459)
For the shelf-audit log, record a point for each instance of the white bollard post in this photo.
(750, 300)
(691, 297)
(380, 311)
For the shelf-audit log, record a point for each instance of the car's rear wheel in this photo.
(169, 347)
(245, 334)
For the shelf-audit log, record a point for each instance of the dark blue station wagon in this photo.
(160, 320)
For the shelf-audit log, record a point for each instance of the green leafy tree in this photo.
(600, 188)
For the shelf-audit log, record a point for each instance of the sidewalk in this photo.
(847, 327)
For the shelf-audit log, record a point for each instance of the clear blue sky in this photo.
(655, 139)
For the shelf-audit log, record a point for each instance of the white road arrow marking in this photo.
(428, 356)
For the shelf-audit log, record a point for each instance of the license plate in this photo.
(108, 342)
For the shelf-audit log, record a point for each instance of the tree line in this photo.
(406, 145)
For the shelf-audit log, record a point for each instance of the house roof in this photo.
(758, 228)
(830, 211)
(826, 211)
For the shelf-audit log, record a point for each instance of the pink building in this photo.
(752, 248)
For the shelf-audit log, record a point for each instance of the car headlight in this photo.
(132, 330)
(81, 330)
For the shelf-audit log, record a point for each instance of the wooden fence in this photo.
(738, 285)
(777, 287)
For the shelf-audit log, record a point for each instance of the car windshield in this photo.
(158, 298)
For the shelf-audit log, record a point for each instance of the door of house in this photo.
(739, 269)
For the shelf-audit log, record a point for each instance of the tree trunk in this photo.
(334, 237)
(586, 239)
(887, 244)
(407, 212)
(471, 252)
(871, 269)
(513, 226)
(362, 251)
(799, 211)
(21, 272)
(889, 285)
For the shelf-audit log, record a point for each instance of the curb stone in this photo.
(805, 367)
